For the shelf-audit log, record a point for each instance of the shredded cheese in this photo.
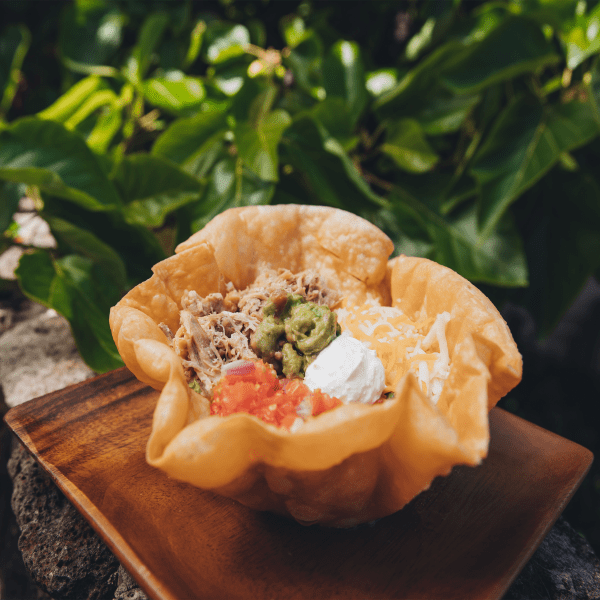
(402, 345)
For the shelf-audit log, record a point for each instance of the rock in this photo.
(15, 582)
(39, 356)
(128, 589)
(564, 567)
(69, 561)
(63, 554)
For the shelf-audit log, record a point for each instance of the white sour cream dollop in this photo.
(347, 369)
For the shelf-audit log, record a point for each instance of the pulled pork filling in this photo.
(217, 329)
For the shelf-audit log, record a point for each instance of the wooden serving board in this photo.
(468, 536)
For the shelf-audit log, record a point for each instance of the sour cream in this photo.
(347, 369)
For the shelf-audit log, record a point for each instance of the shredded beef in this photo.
(216, 330)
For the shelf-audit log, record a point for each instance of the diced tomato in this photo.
(256, 390)
(323, 402)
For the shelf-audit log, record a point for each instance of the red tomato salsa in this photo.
(254, 388)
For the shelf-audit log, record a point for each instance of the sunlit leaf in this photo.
(381, 81)
(175, 93)
(294, 30)
(94, 102)
(224, 41)
(581, 37)
(107, 126)
(196, 38)
(63, 108)
(229, 79)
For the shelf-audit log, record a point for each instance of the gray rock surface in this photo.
(563, 568)
(60, 550)
(56, 549)
(39, 356)
(128, 589)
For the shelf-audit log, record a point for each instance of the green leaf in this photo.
(196, 37)
(69, 286)
(333, 114)
(153, 187)
(35, 274)
(381, 81)
(224, 41)
(320, 170)
(230, 185)
(254, 100)
(257, 144)
(407, 146)
(581, 37)
(87, 244)
(46, 154)
(189, 142)
(445, 113)
(63, 108)
(293, 30)
(10, 194)
(149, 37)
(137, 246)
(90, 35)
(229, 79)
(305, 61)
(516, 46)
(422, 81)
(96, 101)
(175, 93)
(453, 242)
(344, 77)
(525, 142)
(14, 44)
(107, 126)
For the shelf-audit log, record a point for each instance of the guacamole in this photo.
(294, 331)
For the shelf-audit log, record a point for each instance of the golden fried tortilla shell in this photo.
(128, 325)
(193, 269)
(422, 288)
(152, 298)
(349, 252)
(354, 463)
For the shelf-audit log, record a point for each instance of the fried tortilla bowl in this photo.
(352, 464)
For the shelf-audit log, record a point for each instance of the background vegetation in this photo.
(468, 131)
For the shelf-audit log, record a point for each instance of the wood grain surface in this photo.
(468, 536)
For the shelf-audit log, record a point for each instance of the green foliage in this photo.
(466, 134)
